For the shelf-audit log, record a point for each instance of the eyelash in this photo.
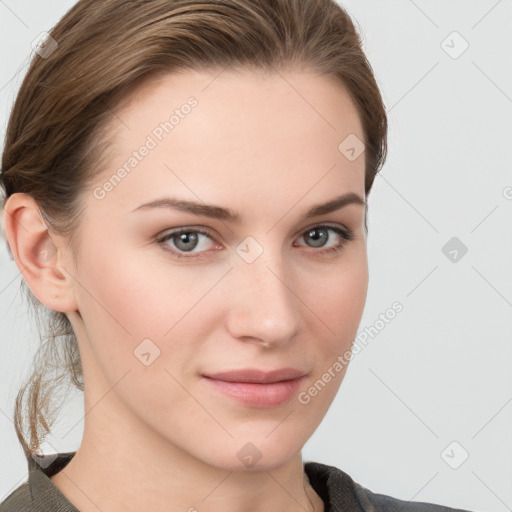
(345, 234)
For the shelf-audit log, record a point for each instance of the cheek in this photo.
(136, 306)
(140, 293)
(338, 297)
(128, 314)
(337, 302)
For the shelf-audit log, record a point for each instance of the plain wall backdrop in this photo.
(425, 410)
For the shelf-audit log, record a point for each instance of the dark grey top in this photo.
(337, 490)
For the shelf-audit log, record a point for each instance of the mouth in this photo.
(257, 388)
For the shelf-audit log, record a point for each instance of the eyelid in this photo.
(185, 229)
(327, 224)
(208, 232)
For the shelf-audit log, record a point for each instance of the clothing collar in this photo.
(42, 490)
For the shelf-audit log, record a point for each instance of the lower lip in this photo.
(258, 395)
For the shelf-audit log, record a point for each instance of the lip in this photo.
(257, 388)
(256, 376)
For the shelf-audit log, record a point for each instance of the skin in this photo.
(157, 437)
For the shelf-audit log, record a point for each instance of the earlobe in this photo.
(37, 256)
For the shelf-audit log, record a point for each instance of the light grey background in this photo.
(438, 372)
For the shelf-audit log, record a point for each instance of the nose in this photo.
(264, 308)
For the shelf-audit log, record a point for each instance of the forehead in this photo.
(216, 135)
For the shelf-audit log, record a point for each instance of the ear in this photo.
(43, 258)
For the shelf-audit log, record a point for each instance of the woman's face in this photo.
(267, 291)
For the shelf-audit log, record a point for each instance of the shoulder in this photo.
(340, 491)
(38, 493)
(19, 500)
(383, 503)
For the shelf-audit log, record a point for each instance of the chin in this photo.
(254, 452)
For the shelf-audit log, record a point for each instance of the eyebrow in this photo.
(227, 214)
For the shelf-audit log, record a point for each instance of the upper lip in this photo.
(255, 375)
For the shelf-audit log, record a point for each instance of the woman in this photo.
(251, 131)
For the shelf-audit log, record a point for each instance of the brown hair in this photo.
(106, 49)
